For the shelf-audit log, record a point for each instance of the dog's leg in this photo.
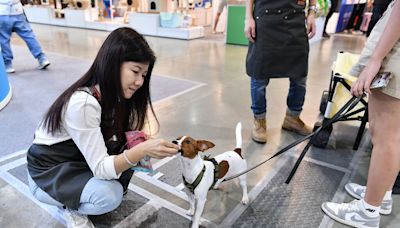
(200, 202)
(191, 202)
(243, 184)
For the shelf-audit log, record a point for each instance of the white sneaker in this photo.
(358, 191)
(350, 214)
(76, 220)
(43, 63)
(10, 69)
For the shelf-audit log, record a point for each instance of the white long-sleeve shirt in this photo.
(81, 123)
(11, 7)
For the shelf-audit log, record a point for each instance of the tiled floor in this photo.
(209, 112)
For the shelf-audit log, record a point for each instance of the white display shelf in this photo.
(144, 23)
(149, 24)
(79, 17)
(38, 14)
(182, 33)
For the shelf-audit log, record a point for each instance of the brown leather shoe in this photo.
(259, 132)
(295, 124)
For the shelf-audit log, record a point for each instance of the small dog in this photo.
(200, 175)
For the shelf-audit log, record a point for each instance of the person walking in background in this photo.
(378, 8)
(13, 19)
(278, 48)
(79, 160)
(332, 9)
(222, 4)
(381, 53)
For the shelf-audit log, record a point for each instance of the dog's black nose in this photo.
(175, 142)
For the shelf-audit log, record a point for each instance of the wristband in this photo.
(127, 160)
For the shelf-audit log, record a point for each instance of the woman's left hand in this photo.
(363, 82)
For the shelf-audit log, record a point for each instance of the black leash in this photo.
(347, 107)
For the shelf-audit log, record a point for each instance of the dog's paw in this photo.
(245, 200)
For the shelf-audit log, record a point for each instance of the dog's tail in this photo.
(238, 137)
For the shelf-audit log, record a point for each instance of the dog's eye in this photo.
(187, 142)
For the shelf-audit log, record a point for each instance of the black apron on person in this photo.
(281, 44)
(62, 172)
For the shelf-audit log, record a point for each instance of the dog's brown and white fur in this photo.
(230, 163)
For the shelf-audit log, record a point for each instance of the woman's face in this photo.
(132, 77)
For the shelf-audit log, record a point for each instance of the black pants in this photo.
(334, 5)
(377, 12)
(356, 17)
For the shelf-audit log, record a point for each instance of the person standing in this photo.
(380, 54)
(13, 19)
(221, 5)
(278, 48)
(332, 9)
(378, 8)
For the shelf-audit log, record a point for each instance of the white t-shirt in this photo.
(11, 7)
(81, 123)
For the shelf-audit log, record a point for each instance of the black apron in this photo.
(281, 45)
(62, 172)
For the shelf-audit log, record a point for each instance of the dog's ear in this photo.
(203, 145)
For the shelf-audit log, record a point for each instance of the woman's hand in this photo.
(364, 80)
(250, 29)
(157, 148)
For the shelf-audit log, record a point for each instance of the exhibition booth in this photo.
(164, 18)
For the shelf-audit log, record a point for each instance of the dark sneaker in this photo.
(350, 214)
(259, 132)
(295, 124)
(326, 35)
(43, 63)
(358, 191)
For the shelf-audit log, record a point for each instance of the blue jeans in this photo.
(98, 196)
(18, 24)
(295, 98)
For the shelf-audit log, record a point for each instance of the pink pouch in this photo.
(132, 139)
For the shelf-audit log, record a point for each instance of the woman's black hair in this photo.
(118, 114)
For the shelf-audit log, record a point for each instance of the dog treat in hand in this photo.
(132, 139)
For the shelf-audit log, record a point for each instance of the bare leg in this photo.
(216, 22)
(384, 112)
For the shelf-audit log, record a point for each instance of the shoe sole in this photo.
(349, 223)
(44, 66)
(10, 72)
(259, 141)
(354, 195)
(295, 131)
